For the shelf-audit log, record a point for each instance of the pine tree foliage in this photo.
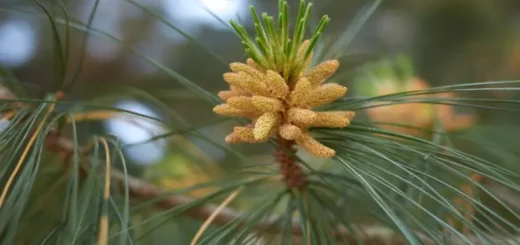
(378, 185)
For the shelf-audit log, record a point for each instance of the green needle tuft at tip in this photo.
(272, 48)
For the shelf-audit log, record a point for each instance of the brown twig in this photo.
(292, 173)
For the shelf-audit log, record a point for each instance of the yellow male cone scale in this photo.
(276, 89)
(278, 107)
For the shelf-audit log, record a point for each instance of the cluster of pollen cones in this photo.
(282, 108)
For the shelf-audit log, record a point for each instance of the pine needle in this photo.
(103, 225)
(308, 221)
(210, 219)
(24, 155)
(92, 115)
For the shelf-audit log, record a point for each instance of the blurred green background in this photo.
(448, 42)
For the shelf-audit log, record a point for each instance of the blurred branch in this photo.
(142, 190)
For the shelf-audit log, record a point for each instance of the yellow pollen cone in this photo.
(227, 110)
(244, 103)
(322, 72)
(246, 82)
(234, 79)
(301, 52)
(264, 125)
(226, 94)
(325, 94)
(240, 67)
(290, 132)
(266, 104)
(301, 91)
(301, 116)
(302, 48)
(276, 84)
(314, 147)
(332, 119)
(232, 138)
(246, 134)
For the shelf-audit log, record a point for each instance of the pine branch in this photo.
(141, 190)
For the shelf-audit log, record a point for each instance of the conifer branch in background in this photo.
(141, 190)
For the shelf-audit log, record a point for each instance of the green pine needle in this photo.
(273, 49)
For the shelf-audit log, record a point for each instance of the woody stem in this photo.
(293, 175)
